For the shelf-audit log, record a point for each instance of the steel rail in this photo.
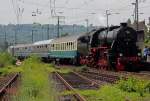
(77, 95)
(3, 89)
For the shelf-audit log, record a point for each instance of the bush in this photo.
(134, 85)
(6, 59)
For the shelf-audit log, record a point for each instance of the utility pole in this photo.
(87, 25)
(15, 36)
(107, 14)
(5, 34)
(48, 32)
(137, 14)
(42, 32)
(32, 35)
(73, 28)
(136, 11)
(58, 26)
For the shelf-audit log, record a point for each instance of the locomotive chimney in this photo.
(123, 24)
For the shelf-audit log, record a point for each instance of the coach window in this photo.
(61, 46)
(71, 45)
(68, 46)
(51, 47)
(58, 46)
(64, 46)
(54, 46)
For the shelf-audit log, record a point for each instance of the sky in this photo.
(71, 11)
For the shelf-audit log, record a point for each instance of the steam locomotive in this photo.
(114, 48)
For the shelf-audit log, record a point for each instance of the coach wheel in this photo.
(105, 67)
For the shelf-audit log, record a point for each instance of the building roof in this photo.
(142, 25)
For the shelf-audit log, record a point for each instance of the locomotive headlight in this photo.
(139, 54)
(121, 54)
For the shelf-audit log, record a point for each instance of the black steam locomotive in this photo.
(116, 48)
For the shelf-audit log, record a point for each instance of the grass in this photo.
(51, 68)
(112, 93)
(35, 82)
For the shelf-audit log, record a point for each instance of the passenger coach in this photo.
(68, 49)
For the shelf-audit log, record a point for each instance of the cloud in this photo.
(101, 19)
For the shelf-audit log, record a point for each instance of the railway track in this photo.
(8, 86)
(116, 75)
(72, 82)
(101, 77)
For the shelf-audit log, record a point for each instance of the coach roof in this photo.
(69, 38)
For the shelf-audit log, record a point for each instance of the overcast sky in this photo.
(74, 11)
